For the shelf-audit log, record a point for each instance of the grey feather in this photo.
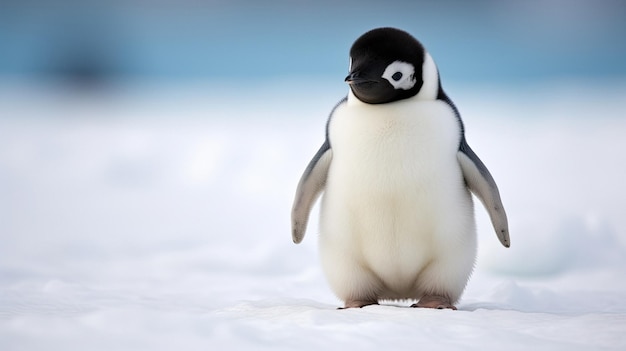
(310, 187)
(481, 183)
(312, 183)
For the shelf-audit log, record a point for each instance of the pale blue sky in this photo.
(471, 41)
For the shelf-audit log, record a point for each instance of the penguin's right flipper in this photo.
(480, 182)
(311, 185)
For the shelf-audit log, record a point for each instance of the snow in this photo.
(161, 220)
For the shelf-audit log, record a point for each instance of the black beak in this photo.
(355, 78)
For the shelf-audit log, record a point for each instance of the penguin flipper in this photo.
(481, 183)
(311, 185)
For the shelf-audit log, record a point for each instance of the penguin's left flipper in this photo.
(310, 187)
(481, 183)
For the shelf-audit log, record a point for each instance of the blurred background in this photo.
(92, 43)
(142, 139)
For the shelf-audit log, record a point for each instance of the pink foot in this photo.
(434, 301)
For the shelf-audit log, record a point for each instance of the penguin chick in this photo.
(397, 216)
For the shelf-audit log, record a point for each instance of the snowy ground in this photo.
(160, 221)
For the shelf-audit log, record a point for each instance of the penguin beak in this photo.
(355, 78)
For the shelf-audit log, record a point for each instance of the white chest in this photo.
(389, 146)
(395, 193)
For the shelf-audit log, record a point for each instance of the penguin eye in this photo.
(400, 74)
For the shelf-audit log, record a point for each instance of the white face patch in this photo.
(400, 74)
(350, 65)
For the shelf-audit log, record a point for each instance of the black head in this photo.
(385, 66)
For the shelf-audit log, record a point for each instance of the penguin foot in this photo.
(434, 301)
(357, 304)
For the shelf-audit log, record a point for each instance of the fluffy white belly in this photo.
(395, 200)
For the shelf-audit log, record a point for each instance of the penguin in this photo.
(397, 176)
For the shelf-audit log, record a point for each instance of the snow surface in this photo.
(160, 221)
